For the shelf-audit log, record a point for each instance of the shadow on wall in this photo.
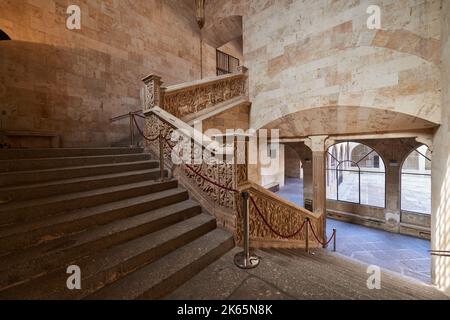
(68, 91)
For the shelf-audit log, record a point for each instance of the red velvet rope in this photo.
(324, 244)
(141, 132)
(271, 228)
(234, 190)
(202, 176)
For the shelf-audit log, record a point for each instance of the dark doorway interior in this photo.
(4, 36)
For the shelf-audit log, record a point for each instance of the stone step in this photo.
(391, 282)
(158, 279)
(38, 176)
(8, 154)
(348, 286)
(58, 187)
(45, 230)
(27, 264)
(106, 266)
(60, 162)
(353, 274)
(31, 210)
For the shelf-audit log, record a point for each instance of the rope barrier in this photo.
(200, 175)
(141, 132)
(196, 172)
(324, 244)
(270, 227)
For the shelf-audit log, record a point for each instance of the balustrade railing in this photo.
(214, 177)
(192, 97)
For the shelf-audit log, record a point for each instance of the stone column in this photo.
(440, 216)
(153, 92)
(319, 148)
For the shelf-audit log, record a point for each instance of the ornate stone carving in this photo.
(152, 95)
(198, 97)
(282, 217)
(220, 172)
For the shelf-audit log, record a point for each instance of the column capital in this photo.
(317, 143)
(426, 140)
(152, 77)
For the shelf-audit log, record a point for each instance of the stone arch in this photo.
(415, 180)
(340, 120)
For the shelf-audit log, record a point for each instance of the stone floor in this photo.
(399, 253)
(292, 191)
(288, 274)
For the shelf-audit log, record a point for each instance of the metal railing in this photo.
(131, 118)
(440, 253)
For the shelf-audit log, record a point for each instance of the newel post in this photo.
(153, 92)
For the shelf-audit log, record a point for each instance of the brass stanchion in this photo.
(245, 260)
(307, 235)
(161, 158)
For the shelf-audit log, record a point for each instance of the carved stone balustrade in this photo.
(283, 216)
(191, 97)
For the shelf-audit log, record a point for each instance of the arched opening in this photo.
(4, 36)
(416, 181)
(293, 189)
(297, 173)
(356, 173)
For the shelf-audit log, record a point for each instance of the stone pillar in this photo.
(319, 148)
(153, 92)
(440, 218)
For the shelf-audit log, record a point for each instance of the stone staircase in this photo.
(105, 211)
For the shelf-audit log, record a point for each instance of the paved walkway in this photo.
(399, 253)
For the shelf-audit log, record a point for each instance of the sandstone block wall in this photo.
(441, 167)
(73, 82)
(308, 54)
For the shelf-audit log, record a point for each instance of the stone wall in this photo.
(234, 48)
(73, 82)
(292, 163)
(304, 55)
(441, 167)
(234, 118)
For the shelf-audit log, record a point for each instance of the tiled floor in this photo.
(399, 253)
(293, 191)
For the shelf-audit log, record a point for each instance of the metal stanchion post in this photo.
(307, 235)
(245, 260)
(161, 157)
(334, 240)
(131, 130)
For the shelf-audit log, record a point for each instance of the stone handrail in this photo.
(216, 182)
(191, 97)
(215, 167)
(284, 216)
